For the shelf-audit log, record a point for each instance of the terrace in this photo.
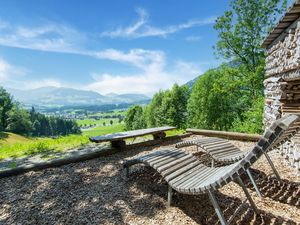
(98, 192)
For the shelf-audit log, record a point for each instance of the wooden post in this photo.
(159, 135)
(121, 144)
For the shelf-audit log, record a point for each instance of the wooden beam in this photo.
(226, 134)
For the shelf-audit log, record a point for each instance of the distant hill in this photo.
(55, 97)
(191, 83)
(232, 64)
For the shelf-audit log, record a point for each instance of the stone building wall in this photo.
(282, 85)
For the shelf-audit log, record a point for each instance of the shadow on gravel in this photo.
(284, 191)
(97, 192)
(198, 207)
(90, 192)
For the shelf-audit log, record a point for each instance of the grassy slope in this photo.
(104, 130)
(93, 121)
(12, 145)
(11, 138)
(42, 145)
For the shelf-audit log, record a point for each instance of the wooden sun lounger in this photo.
(185, 174)
(117, 139)
(222, 150)
(219, 149)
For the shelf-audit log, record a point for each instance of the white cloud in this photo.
(148, 81)
(9, 72)
(49, 37)
(152, 72)
(4, 70)
(43, 83)
(141, 28)
(139, 58)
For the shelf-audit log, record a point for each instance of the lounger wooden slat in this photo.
(181, 169)
(177, 166)
(170, 155)
(171, 163)
(176, 180)
(187, 175)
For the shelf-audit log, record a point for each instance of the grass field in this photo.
(93, 121)
(104, 130)
(11, 138)
(14, 146)
(41, 145)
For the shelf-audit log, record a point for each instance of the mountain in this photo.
(191, 83)
(232, 64)
(129, 98)
(59, 96)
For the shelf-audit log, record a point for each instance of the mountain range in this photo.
(60, 96)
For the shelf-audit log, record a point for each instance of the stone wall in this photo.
(282, 85)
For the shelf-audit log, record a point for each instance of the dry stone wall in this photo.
(282, 86)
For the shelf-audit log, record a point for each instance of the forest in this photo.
(15, 119)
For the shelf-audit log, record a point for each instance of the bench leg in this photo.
(118, 144)
(247, 195)
(170, 193)
(159, 135)
(217, 207)
(254, 183)
(272, 165)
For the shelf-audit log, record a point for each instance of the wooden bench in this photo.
(117, 139)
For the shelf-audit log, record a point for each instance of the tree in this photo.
(168, 108)
(216, 100)
(19, 120)
(134, 118)
(111, 122)
(241, 31)
(153, 112)
(253, 119)
(173, 107)
(6, 104)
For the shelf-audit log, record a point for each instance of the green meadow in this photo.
(15, 146)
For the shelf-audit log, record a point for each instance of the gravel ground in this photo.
(97, 192)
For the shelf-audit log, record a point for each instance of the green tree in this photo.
(134, 118)
(173, 107)
(153, 112)
(241, 31)
(168, 108)
(216, 100)
(19, 120)
(6, 104)
(252, 119)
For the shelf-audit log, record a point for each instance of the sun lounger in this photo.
(184, 173)
(221, 150)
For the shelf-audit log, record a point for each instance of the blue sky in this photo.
(106, 46)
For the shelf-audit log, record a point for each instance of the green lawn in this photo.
(104, 130)
(93, 121)
(42, 145)
(10, 138)
(12, 145)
